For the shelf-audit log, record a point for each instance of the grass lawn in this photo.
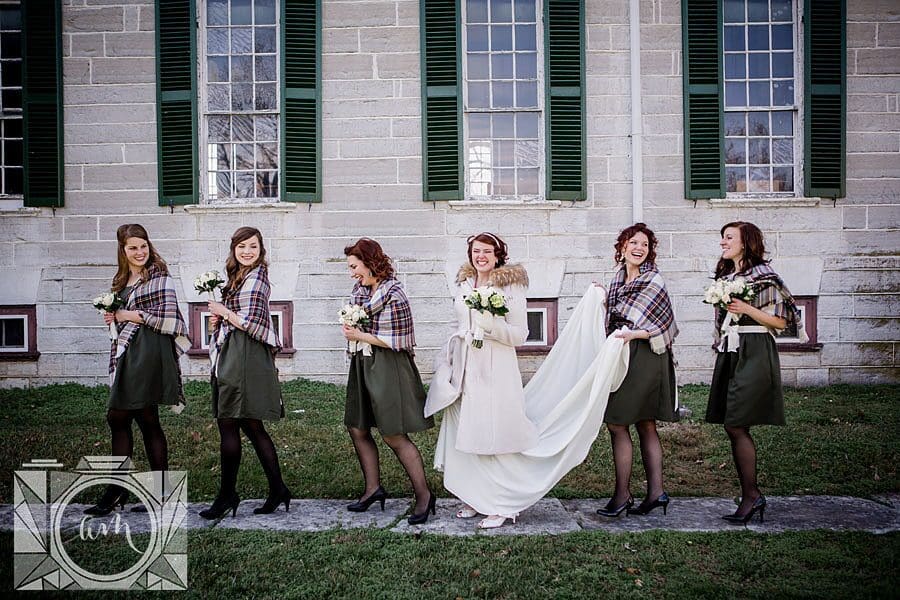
(840, 440)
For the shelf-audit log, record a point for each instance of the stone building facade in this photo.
(842, 253)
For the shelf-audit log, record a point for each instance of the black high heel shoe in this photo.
(614, 511)
(113, 496)
(221, 506)
(758, 505)
(272, 502)
(418, 519)
(645, 507)
(363, 504)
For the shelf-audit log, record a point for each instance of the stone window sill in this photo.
(766, 202)
(510, 204)
(241, 208)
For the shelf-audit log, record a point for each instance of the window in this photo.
(502, 104)
(750, 127)
(542, 315)
(18, 332)
(281, 311)
(11, 153)
(760, 96)
(513, 71)
(788, 340)
(239, 100)
(238, 103)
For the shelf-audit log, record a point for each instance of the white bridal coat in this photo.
(565, 400)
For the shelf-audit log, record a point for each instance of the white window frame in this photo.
(26, 340)
(202, 97)
(15, 201)
(797, 109)
(540, 110)
(545, 333)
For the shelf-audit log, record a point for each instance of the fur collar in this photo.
(501, 277)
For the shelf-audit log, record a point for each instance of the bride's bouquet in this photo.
(488, 300)
(722, 291)
(208, 282)
(109, 302)
(354, 315)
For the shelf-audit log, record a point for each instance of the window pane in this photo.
(758, 10)
(735, 94)
(503, 125)
(759, 65)
(12, 128)
(217, 12)
(782, 37)
(476, 11)
(735, 152)
(759, 151)
(13, 181)
(759, 123)
(782, 151)
(223, 185)
(11, 100)
(734, 11)
(477, 38)
(217, 41)
(241, 40)
(781, 10)
(735, 66)
(217, 97)
(479, 95)
(264, 11)
(241, 68)
(526, 38)
(219, 129)
(504, 153)
(244, 185)
(265, 96)
(223, 156)
(782, 93)
(759, 93)
(265, 68)
(526, 94)
(13, 333)
(526, 65)
(243, 157)
(759, 179)
(502, 66)
(735, 124)
(735, 179)
(242, 97)
(265, 40)
(478, 66)
(241, 13)
(12, 152)
(734, 38)
(758, 37)
(217, 68)
(782, 123)
(528, 181)
(10, 18)
(501, 11)
(502, 94)
(501, 38)
(267, 185)
(524, 10)
(242, 128)
(527, 153)
(782, 179)
(535, 326)
(527, 125)
(479, 125)
(783, 64)
(267, 127)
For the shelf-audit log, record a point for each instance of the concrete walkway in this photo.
(549, 516)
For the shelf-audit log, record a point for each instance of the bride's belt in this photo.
(732, 335)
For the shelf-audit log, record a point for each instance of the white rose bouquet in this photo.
(109, 302)
(354, 315)
(722, 291)
(485, 300)
(208, 282)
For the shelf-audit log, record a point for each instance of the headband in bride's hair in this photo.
(490, 235)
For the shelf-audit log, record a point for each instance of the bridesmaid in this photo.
(639, 301)
(746, 385)
(143, 359)
(384, 389)
(244, 378)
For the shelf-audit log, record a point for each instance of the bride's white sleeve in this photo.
(511, 330)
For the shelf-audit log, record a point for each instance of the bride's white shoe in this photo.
(494, 521)
(467, 512)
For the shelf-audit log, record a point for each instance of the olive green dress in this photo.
(147, 373)
(648, 391)
(245, 385)
(385, 391)
(746, 385)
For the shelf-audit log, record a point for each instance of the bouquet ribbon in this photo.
(731, 333)
(113, 332)
(364, 347)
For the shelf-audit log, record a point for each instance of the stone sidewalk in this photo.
(548, 517)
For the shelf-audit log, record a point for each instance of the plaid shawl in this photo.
(771, 296)
(390, 318)
(642, 304)
(251, 304)
(156, 301)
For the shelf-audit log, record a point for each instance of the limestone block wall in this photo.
(844, 252)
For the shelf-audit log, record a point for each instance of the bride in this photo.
(502, 447)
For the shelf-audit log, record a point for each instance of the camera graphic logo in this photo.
(53, 538)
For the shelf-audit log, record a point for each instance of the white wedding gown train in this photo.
(566, 399)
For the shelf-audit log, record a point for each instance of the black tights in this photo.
(155, 444)
(230, 448)
(407, 454)
(743, 450)
(651, 456)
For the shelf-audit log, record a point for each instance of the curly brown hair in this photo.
(500, 249)
(628, 233)
(235, 271)
(370, 253)
(754, 248)
(130, 230)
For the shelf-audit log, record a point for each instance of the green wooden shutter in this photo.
(42, 104)
(825, 102)
(442, 170)
(564, 76)
(301, 159)
(704, 166)
(176, 101)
